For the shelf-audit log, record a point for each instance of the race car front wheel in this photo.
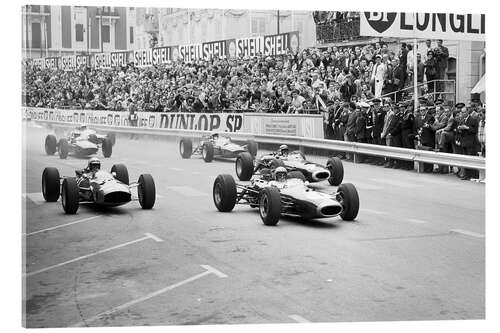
(50, 144)
(51, 187)
(186, 148)
(63, 148)
(252, 147)
(224, 193)
(207, 151)
(349, 199)
(107, 147)
(270, 205)
(70, 197)
(146, 191)
(336, 168)
(244, 166)
(121, 173)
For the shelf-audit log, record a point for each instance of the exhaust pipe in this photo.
(321, 175)
(329, 209)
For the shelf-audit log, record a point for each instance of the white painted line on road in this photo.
(467, 233)
(395, 183)
(298, 318)
(187, 191)
(175, 169)
(62, 225)
(372, 211)
(417, 221)
(148, 236)
(208, 270)
(155, 238)
(37, 198)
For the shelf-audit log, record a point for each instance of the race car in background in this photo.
(80, 142)
(104, 188)
(293, 161)
(291, 196)
(216, 145)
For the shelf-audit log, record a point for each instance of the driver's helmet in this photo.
(82, 127)
(283, 150)
(215, 136)
(280, 174)
(94, 164)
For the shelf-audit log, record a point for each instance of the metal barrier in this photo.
(419, 156)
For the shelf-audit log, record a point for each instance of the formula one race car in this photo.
(294, 161)
(214, 145)
(80, 142)
(289, 196)
(102, 188)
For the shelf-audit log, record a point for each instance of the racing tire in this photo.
(244, 166)
(296, 174)
(112, 138)
(207, 151)
(252, 148)
(107, 147)
(93, 138)
(63, 148)
(121, 173)
(224, 193)
(270, 205)
(300, 153)
(336, 168)
(277, 163)
(70, 196)
(51, 187)
(146, 191)
(50, 144)
(186, 148)
(349, 201)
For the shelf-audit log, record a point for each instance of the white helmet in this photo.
(280, 174)
(94, 164)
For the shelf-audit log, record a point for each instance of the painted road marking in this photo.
(148, 236)
(298, 318)
(372, 211)
(187, 191)
(368, 187)
(467, 233)
(62, 225)
(208, 270)
(417, 221)
(395, 183)
(175, 169)
(37, 198)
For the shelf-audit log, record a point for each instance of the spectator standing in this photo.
(470, 143)
(378, 75)
(441, 54)
(431, 72)
(408, 133)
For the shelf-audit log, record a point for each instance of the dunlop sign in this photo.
(424, 25)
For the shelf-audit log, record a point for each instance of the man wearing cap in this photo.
(469, 140)
(431, 71)
(441, 53)
(378, 75)
(378, 115)
(393, 133)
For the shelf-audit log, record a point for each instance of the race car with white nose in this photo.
(80, 142)
(93, 185)
(216, 145)
(292, 161)
(278, 193)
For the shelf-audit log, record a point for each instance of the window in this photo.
(258, 25)
(131, 35)
(36, 35)
(105, 34)
(79, 32)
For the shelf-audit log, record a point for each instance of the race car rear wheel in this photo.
(112, 138)
(296, 174)
(50, 144)
(121, 173)
(270, 205)
(244, 166)
(224, 193)
(186, 148)
(336, 168)
(63, 148)
(207, 151)
(146, 191)
(70, 197)
(349, 199)
(107, 147)
(252, 147)
(93, 138)
(51, 187)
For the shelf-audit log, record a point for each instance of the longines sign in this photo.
(424, 25)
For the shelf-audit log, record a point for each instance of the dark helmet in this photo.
(94, 164)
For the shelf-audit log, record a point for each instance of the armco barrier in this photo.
(419, 156)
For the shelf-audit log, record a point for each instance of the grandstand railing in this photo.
(448, 93)
(333, 31)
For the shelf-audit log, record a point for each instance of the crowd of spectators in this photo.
(343, 83)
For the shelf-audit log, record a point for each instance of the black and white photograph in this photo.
(214, 166)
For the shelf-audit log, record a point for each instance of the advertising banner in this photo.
(152, 57)
(423, 25)
(280, 44)
(110, 60)
(216, 49)
(67, 63)
(249, 47)
(304, 125)
(190, 52)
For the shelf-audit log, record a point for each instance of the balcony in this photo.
(334, 31)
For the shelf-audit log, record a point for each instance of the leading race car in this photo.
(216, 145)
(293, 161)
(93, 185)
(278, 193)
(80, 142)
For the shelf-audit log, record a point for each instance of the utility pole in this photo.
(278, 22)
(88, 28)
(100, 30)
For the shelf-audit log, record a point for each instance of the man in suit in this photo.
(441, 53)
(469, 141)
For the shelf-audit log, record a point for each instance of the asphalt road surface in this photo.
(415, 252)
